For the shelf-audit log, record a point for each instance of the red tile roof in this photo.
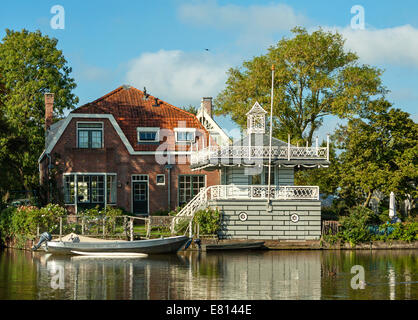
(131, 110)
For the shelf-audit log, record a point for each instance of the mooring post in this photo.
(131, 225)
(149, 228)
(104, 227)
(60, 228)
(82, 225)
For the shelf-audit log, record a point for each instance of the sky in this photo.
(161, 45)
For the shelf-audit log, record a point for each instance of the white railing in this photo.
(216, 154)
(243, 192)
(255, 192)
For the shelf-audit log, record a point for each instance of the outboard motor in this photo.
(46, 236)
(198, 242)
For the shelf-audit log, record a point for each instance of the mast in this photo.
(271, 132)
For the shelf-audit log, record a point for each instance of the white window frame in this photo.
(92, 129)
(177, 130)
(148, 129)
(77, 174)
(160, 183)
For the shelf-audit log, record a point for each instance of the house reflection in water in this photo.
(261, 275)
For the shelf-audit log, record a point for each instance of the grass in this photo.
(156, 232)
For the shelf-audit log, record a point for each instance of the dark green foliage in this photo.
(30, 66)
(208, 220)
(363, 225)
(354, 228)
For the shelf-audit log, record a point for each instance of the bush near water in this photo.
(364, 225)
(22, 223)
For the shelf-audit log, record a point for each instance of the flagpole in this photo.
(271, 132)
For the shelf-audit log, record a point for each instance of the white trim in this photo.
(185, 129)
(87, 129)
(202, 113)
(156, 179)
(148, 129)
(118, 130)
(177, 130)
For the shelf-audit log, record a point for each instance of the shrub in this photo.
(6, 222)
(161, 213)
(403, 231)
(354, 227)
(208, 220)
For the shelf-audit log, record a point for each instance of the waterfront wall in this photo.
(274, 225)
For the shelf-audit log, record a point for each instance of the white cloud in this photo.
(254, 24)
(396, 46)
(177, 77)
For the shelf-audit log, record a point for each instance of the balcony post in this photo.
(288, 147)
(328, 147)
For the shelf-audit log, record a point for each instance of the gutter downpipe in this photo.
(169, 167)
(49, 168)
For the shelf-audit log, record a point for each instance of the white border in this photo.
(156, 179)
(148, 129)
(115, 125)
(86, 129)
(193, 130)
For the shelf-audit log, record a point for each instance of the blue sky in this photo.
(161, 44)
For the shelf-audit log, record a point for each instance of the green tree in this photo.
(30, 66)
(314, 77)
(190, 108)
(379, 153)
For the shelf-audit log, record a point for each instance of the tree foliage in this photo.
(379, 153)
(314, 77)
(30, 66)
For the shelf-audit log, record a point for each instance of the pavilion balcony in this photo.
(259, 192)
(236, 155)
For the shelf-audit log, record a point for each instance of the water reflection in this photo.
(225, 275)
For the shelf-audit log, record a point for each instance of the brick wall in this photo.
(115, 158)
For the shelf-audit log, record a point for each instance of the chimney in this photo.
(49, 108)
(206, 104)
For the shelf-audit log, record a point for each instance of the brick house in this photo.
(127, 149)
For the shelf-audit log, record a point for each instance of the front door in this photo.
(140, 197)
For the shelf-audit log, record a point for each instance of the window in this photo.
(69, 190)
(90, 188)
(266, 176)
(185, 134)
(90, 135)
(140, 177)
(83, 187)
(189, 186)
(160, 179)
(150, 134)
(97, 189)
(256, 179)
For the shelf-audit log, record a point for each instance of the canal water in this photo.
(381, 274)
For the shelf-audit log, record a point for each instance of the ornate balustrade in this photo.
(217, 154)
(254, 192)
